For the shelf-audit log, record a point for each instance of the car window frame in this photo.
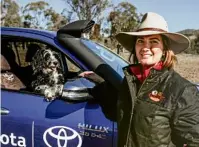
(12, 38)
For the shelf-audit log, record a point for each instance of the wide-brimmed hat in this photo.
(153, 24)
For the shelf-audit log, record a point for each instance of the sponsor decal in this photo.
(156, 96)
(12, 140)
(93, 131)
(63, 135)
(93, 128)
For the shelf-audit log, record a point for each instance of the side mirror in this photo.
(76, 94)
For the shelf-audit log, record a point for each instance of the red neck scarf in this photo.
(142, 72)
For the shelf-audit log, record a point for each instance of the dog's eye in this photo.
(56, 56)
(47, 56)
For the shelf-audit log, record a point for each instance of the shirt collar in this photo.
(142, 72)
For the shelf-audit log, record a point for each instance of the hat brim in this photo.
(178, 42)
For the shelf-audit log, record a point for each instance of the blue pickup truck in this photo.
(74, 119)
(27, 119)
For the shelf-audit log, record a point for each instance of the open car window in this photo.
(19, 54)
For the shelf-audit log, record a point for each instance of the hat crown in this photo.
(153, 21)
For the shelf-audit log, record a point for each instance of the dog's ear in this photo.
(37, 55)
(44, 52)
(37, 60)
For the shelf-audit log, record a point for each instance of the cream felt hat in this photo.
(152, 24)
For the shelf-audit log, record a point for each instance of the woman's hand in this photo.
(86, 73)
(90, 75)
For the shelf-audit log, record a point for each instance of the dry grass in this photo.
(188, 67)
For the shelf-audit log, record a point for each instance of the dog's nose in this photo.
(55, 63)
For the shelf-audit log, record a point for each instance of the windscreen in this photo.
(109, 57)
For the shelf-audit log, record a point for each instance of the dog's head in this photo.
(47, 61)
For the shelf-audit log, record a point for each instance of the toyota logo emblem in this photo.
(62, 135)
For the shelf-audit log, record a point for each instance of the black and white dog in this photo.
(48, 77)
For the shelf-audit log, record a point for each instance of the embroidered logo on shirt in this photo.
(156, 96)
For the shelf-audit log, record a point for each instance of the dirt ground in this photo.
(188, 67)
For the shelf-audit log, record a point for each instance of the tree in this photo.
(123, 18)
(56, 20)
(10, 14)
(33, 14)
(195, 44)
(88, 9)
(40, 15)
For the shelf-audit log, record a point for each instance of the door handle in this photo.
(4, 111)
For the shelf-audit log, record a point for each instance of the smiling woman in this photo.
(149, 49)
(154, 105)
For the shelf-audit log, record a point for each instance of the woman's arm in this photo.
(186, 118)
(107, 97)
(105, 93)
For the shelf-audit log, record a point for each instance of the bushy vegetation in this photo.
(40, 15)
(193, 35)
(121, 17)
